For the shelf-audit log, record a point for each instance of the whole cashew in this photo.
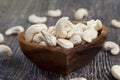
(64, 43)
(5, 48)
(82, 26)
(1, 38)
(89, 34)
(97, 25)
(111, 46)
(76, 39)
(115, 23)
(50, 39)
(14, 30)
(36, 19)
(80, 13)
(54, 13)
(33, 29)
(62, 27)
(80, 78)
(115, 70)
(37, 38)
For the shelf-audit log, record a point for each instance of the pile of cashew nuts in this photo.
(64, 34)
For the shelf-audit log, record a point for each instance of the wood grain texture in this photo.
(15, 12)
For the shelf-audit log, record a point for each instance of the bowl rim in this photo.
(94, 43)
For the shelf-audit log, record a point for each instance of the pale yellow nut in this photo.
(36, 19)
(82, 26)
(34, 29)
(112, 47)
(115, 23)
(115, 70)
(14, 30)
(1, 38)
(37, 38)
(5, 49)
(54, 13)
(76, 39)
(79, 78)
(80, 13)
(43, 43)
(64, 43)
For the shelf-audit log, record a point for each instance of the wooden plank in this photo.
(15, 12)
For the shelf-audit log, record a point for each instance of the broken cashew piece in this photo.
(89, 34)
(5, 48)
(80, 13)
(1, 38)
(76, 39)
(54, 13)
(14, 30)
(43, 43)
(50, 39)
(112, 47)
(80, 78)
(34, 29)
(36, 19)
(64, 43)
(38, 38)
(115, 23)
(96, 24)
(115, 70)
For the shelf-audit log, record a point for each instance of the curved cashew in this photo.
(37, 38)
(64, 43)
(115, 23)
(36, 19)
(14, 30)
(51, 30)
(89, 35)
(82, 26)
(62, 27)
(80, 13)
(50, 39)
(43, 43)
(1, 38)
(97, 25)
(80, 78)
(115, 70)
(111, 46)
(76, 39)
(5, 48)
(54, 13)
(77, 30)
(33, 29)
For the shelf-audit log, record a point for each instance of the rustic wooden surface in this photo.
(16, 12)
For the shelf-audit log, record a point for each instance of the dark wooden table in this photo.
(16, 12)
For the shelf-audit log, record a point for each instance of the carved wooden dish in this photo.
(62, 60)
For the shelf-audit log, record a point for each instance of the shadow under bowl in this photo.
(62, 60)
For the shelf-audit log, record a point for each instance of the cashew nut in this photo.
(115, 70)
(80, 78)
(89, 34)
(97, 25)
(82, 26)
(54, 13)
(112, 47)
(43, 43)
(62, 27)
(51, 30)
(33, 29)
(1, 38)
(14, 30)
(38, 37)
(115, 23)
(77, 30)
(76, 39)
(80, 13)
(50, 39)
(5, 48)
(64, 43)
(36, 19)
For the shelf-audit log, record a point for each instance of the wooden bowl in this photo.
(62, 60)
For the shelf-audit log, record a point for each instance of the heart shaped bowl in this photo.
(60, 60)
